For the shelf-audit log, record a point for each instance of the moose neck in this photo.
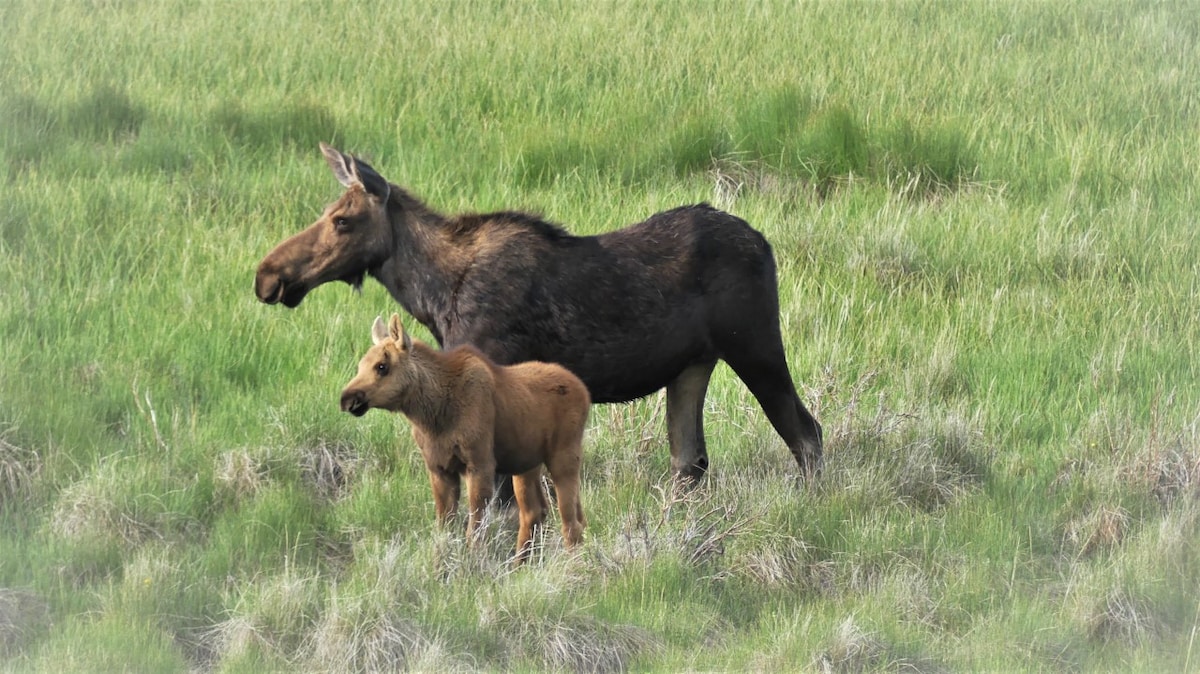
(421, 271)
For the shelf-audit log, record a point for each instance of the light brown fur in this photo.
(473, 418)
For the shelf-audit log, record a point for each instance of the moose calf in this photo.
(472, 417)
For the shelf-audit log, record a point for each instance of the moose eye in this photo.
(341, 224)
(381, 369)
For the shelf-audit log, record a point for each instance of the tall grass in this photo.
(984, 221)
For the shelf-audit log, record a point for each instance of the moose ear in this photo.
(342, 165)
(351, 172)
(371, 181)
(379, 331)
(397, 333)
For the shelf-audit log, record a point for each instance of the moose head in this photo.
(351, 237)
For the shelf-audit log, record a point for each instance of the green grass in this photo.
(985, 223)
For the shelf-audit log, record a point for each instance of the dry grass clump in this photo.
(23, 614)
(268, 617)
(125, 502)
(150, 568)
(532, 618)
(1117, 465)
(579, 643)
(1168, 468)
(1176, 538)
(735, 176)
(926, 477)
(363, 624)
(1154, 459)
(890, 258)
(369, 621)
(86, 510)
(913, 596)
(19, 467)
(327, 469)
(900, 587)
(552, 636)
(1117, 600)
(917, 459)
(491, 554)
(330, 469)
(782, 562)
(1100, 528)
(694, 524)
(1064, 655)
(853, 649)
(360, 636)
(236, 637)
(1120, 615)
(240, 473)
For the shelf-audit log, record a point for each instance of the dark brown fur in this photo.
(474, 419)
(653, 305)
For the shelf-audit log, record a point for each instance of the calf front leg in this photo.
(480, 481)
(445, 493)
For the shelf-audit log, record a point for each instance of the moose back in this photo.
(629, 312)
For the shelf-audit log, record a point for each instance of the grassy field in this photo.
(985, 219)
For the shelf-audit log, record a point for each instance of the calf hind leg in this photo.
(531, 503)
(685, 422)
(564, 468)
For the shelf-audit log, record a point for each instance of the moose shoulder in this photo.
(653, 305)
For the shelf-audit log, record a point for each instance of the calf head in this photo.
(351, 236)
(386, 375)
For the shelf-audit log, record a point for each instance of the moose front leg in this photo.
(685, 422)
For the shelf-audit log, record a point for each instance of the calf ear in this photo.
(379, 331)
(396, 330)
(342, 165)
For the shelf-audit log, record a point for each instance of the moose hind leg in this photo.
(685, 422)
(765, 373)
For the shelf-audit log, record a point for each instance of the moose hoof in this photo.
(693, 474)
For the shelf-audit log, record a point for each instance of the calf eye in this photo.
(381, 369)
(341, 224)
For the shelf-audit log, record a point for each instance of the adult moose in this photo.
(653, 305)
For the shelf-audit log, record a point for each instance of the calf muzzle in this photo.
(355, 402)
